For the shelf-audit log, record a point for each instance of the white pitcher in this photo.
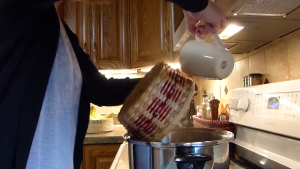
(206, 60)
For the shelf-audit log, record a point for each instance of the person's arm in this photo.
(191, 5)
(102, 91)
(204, 11)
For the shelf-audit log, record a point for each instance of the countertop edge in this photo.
(113, 137)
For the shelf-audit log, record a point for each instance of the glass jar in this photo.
(203, 106)
(246, 81)
(255, 79)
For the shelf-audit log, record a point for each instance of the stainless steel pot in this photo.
(183, 148)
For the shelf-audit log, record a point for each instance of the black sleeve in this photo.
(16, 18)
(102, 91)
(191, 5)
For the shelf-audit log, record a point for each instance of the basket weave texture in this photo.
(157, 103)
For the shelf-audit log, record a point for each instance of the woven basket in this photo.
(157, 103)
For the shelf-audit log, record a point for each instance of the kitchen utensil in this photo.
(206, 60)
(157, 103)
(182, 148)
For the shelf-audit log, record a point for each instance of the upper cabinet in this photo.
(151, 32)
(104, 27)
(123, 34)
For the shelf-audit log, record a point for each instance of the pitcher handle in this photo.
(215, 36)
(218, 41)
(196, 36)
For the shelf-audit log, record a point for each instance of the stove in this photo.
(241, 157)
(267, 119)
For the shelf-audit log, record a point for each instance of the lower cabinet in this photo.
(99, 156)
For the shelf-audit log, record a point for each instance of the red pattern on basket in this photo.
(158, 108)
(163, 88)
(163, 112)
(166, 114)
(152, 103)
(155, 105)
(175, 94)
(167, 88)
(178, 96)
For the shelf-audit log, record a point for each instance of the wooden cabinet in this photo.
(151, 32)
(104, 28)
(123, 34)
(99, 156)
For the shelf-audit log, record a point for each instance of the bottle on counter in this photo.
(203, 112)
(199, 111)
(208, 109)
(214, 106)
(208, 113)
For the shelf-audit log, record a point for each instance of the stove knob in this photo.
(234, 104)
(243, 104)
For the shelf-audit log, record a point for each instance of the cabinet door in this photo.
(99, 156)
(151, 33)
(75, 15)
(105, 32)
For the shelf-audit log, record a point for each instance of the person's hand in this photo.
(213, 17)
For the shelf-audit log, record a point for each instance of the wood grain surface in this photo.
(99, 156)
(122, 34)
(151, 33)
(103, 31)
(109, 32)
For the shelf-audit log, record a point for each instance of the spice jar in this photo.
(203, 106)
(256, 79)
(249, 80)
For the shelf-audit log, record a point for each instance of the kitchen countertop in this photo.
(115, 136)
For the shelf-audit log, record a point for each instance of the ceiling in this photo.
(258, 30)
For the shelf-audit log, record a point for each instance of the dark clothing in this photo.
(191, 5)
(29, 34)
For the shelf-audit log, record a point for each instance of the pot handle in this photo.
(192, 161)
(128, 139)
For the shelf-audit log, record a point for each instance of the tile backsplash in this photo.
(277, 61)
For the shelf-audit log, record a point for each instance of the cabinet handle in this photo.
(84, 46)
(94, 46)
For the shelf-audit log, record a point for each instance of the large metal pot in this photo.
(183, 148)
